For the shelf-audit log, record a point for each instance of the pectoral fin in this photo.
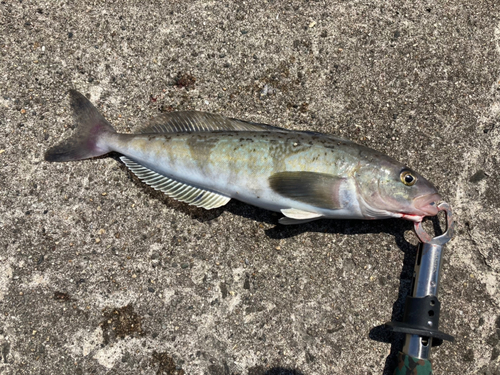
(317, 189)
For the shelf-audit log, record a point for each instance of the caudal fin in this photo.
(88, 140)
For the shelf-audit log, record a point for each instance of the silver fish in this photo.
(206, 159)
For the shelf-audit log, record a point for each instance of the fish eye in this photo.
(407, 178)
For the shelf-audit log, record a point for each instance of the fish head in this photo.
(394, 190)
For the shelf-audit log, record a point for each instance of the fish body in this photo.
(206, 160)
(239, 164)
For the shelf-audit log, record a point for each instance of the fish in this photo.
(207, 159)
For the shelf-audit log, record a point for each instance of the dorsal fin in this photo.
(194, 121)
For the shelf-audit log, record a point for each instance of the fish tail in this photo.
(89, 138)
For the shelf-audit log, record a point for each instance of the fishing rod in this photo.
(422, 307)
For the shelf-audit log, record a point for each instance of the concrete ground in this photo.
(100, 274)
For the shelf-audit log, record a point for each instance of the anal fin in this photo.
(176, 189)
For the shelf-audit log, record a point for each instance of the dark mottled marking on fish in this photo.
(201, 147)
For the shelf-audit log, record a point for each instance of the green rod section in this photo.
(408, 365)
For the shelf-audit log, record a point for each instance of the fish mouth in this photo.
(427, 204)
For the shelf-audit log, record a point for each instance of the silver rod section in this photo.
(425, 282)
(418, 346)
(427, 270)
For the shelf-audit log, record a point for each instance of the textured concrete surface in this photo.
(100, 274)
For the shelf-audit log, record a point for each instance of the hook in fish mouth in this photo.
(425, 205)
